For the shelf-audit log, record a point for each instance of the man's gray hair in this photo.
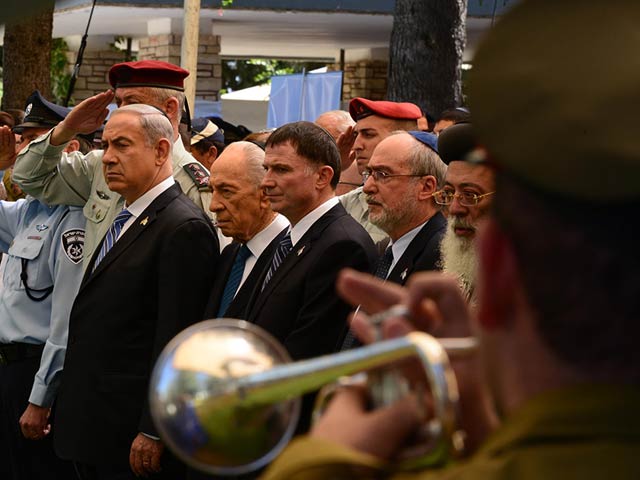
(254, 157)
(424, 161)
(154, 122)
(161, 95)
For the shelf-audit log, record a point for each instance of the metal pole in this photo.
(303, 90)
(76, 68)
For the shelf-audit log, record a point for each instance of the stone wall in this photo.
(167, 48)
(93, 79)
(365, 78)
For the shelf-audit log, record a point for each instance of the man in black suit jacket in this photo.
(297, 301)
(148, 280)
(243, 213)
(403, 174)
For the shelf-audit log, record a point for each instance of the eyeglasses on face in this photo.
(466, 199)
(380, 176)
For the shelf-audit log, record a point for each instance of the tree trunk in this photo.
(425, 55)
(27, 57)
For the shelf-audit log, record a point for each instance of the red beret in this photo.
(147, 73)
(361, 107)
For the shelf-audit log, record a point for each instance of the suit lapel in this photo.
(140, 225)
(299, 251)
(405, 265)
(243, 302)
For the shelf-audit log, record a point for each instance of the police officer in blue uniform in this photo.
(40, 281)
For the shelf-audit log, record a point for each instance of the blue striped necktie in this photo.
(112, 235)
(233, 281)
(284, 247)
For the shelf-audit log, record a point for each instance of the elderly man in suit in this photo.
(375, 120)
(148, 279)
(401, 179)
(244, 214)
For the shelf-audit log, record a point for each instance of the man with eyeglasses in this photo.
(466, 198)
(375, 120)
(399, 182)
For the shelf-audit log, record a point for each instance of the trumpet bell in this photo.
(225, 397)
(200, 407)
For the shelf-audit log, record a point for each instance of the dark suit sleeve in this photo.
(186, 272)
(321, 321)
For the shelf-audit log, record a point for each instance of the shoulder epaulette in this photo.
(199, 175)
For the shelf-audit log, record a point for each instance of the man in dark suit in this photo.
(297, 301)
(148, 280)
(243, 213)
(401, 178)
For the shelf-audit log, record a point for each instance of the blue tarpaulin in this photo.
(302, 97)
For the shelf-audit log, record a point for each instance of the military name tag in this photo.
(73, 244)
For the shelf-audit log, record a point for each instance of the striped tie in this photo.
(112, 235)
(284, 247)
(233, 281)
(382, 270)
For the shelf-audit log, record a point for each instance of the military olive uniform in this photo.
(590, 432)
(55, 177)
(355, 204)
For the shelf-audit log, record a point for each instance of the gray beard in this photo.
(458, 256)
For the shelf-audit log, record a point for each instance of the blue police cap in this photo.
(41, 113)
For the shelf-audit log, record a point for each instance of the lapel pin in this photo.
(144, 221)
(301, 250)
(403, 275)
(42, 227)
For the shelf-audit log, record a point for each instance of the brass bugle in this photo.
(224, 394)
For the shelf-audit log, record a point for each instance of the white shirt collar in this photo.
(263, 238)
(400, 246)
(141, 204)
(310, 218)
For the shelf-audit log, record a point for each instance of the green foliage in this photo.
(60, 76)
(238, 74)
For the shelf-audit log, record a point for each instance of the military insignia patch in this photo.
(199, 175)
(73, 244)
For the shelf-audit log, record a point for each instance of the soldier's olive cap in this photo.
(41, 113)
(554, 91)
(360, 108)
(148, 73)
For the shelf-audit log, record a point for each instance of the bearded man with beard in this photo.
(466, 197)
(399, 182)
